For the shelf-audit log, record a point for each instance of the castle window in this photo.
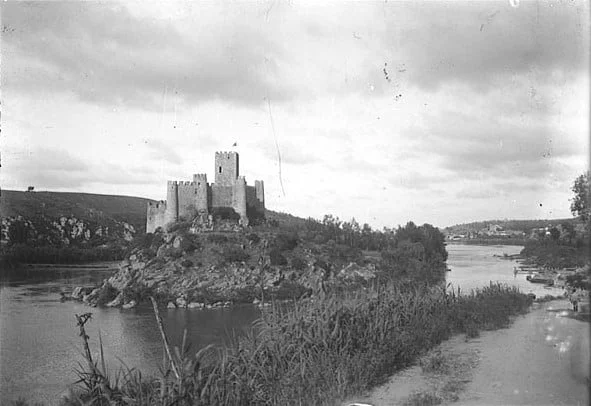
(220, 169)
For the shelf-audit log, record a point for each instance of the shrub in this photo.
(286, 241)
(299, 264)
(277, 257)
(225, 213)
(217, 238)
(187, 263)
(106, 294)
(253, 238)
(179, 226)
(234, 254)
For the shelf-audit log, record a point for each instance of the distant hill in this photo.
(127, 209)
(525, 226)
(285, 218)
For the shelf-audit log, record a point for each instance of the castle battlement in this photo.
(187, 199)
(158, 204)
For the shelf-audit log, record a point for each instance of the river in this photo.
(40, 347)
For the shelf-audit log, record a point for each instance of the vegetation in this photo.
(20, 253)
(581, 203)
(314, 352)
(103, 208)
(565, 246)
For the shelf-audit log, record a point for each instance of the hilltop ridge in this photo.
(129, 209)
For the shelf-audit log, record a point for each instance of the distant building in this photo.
(187, 200)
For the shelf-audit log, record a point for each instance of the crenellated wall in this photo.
(185, 199)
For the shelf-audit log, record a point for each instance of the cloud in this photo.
(47, 168)
(160, 150)
(104, 55)
(487, 43)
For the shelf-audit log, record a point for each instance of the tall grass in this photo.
(314, 352)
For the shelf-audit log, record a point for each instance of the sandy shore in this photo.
(541, 359)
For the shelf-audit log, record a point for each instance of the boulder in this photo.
(80, 291)
(195, 305)
(116, 302)
(181, 302)
(91, 296)
(130, 305)
(171, 305)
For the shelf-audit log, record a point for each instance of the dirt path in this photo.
(542, 359)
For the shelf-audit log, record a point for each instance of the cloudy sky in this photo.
(385, 111)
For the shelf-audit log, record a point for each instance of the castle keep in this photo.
(187, 200)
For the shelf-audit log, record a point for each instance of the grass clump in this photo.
(435, 363)
(316, 352)
(423, 399)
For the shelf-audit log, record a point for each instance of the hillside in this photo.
(525, 226)
(97, 207)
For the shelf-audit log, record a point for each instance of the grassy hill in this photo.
(518, 225)
(127, 209)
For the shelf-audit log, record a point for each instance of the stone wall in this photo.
(156, 216)
(221, 196)
(187, 192)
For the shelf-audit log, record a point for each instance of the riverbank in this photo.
(327, 349)
(543, 358)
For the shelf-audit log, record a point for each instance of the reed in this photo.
(314, 352)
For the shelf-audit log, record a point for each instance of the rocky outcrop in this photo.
(210, 270)
(62, 231)
(199, 288)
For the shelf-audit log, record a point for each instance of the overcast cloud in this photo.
(438, 112)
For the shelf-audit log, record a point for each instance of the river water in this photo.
(40, 347)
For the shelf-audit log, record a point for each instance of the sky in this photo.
(435, 112)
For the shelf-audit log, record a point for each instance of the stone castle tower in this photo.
(188, 199)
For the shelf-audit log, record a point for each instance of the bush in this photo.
(179, 226)
(225, 213)
(217, 238)
(234, 254)
(298, 264)
(106, 294)
(277, 257)
(187, 263)
(286, 241)
(253, 238)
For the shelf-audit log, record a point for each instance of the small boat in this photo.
(540, 279)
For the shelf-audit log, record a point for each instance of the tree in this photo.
(581, 201)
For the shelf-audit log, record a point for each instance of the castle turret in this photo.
(172, 202)
(201, 193)
(259, 186)
(226, 168)
(239, 199)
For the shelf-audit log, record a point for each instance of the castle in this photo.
(186, 200)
